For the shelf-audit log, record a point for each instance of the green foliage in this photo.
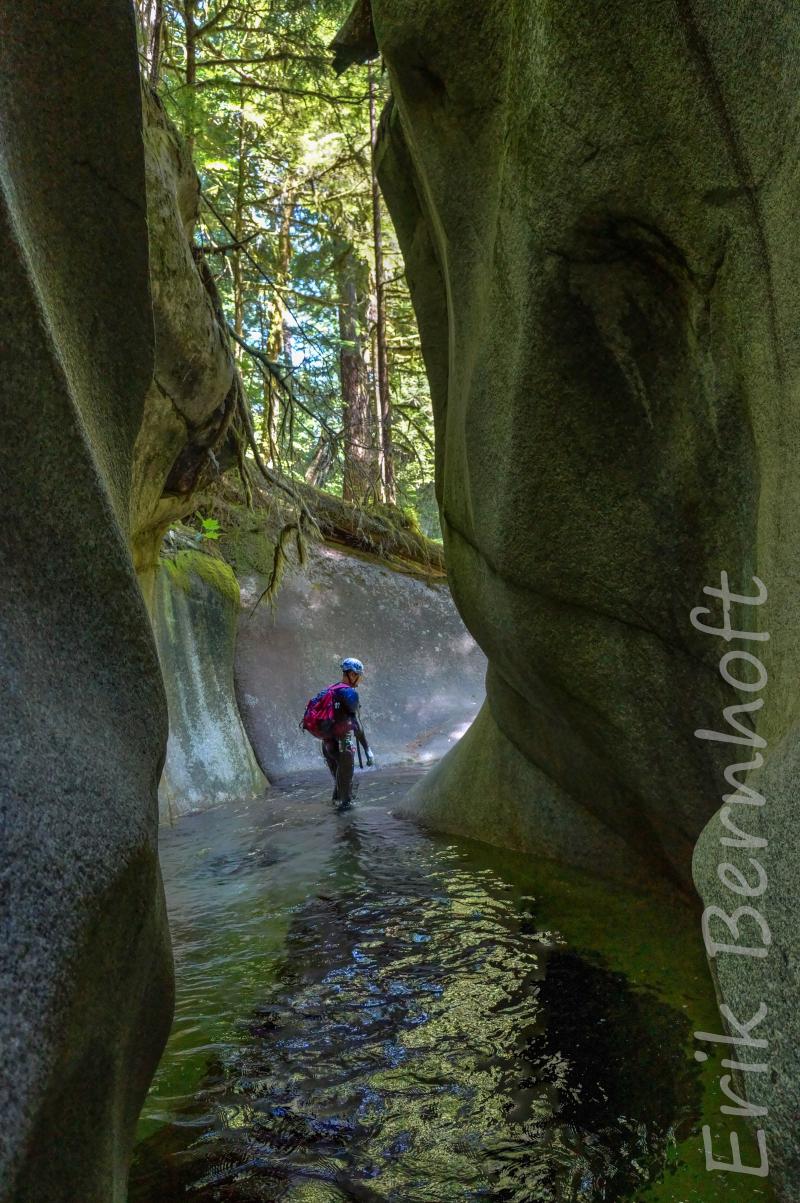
(209, 528)
(282, 147)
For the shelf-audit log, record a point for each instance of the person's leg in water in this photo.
(344, 774)
(330, 750)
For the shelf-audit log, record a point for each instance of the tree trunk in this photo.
(374, 395)
(279, 341)
(280, 333)
(382, 364)
(156, 34)
(191, 69)
(322, 464)
(359, 459)
(381, 534)
(238, 231)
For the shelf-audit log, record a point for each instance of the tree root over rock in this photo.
(382, 531)
(263, 519)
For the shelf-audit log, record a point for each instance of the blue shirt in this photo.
(345, 710)
(345, 702)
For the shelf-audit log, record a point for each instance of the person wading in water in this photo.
(333, 716)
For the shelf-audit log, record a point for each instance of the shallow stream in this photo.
(366, 1011)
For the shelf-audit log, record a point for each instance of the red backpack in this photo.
(319, 719)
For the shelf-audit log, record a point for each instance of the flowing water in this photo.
(366, 1011)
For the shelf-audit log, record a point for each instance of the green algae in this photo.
(247, 537)
(248, 546)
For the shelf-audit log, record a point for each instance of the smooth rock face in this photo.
(424, 673)
(209, 758)
(485, 790)
(85, 969)
(597, 207)
(607, 303)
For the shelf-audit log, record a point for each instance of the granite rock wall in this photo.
(85, 966)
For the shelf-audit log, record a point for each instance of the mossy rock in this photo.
(213, 570)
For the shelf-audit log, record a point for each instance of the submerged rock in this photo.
(209, 758)
(85, 968)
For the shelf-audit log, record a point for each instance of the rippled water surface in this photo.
(369, 1012)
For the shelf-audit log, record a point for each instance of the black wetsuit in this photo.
(339, 751)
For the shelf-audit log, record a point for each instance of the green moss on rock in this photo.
(214, 571)
(248, 546)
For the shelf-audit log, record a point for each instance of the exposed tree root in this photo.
(383, 531)
(280, 562)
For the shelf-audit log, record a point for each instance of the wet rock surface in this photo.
(608, 313)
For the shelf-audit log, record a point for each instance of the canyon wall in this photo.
(607, 299)
(85, 966)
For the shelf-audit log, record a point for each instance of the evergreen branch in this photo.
(275, 374)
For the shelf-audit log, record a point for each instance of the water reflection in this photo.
(415, 1037)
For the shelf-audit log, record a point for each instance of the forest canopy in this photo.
(298, 240)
